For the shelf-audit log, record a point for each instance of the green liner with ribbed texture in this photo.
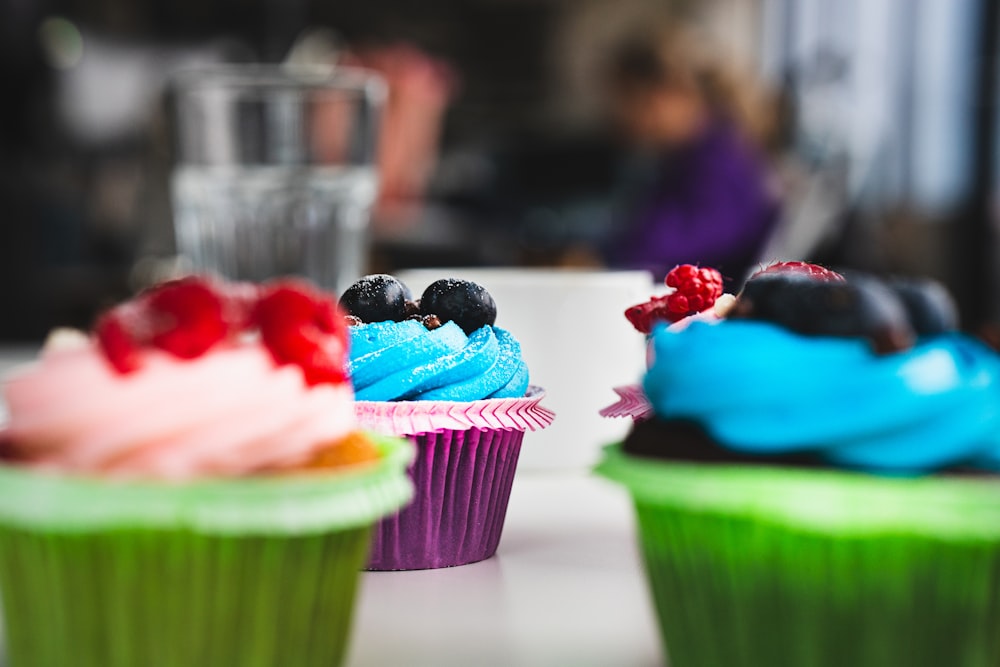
(255, 573)
(756, 566)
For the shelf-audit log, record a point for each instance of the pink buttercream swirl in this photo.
(230, 412)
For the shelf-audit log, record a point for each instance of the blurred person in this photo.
(704, 196)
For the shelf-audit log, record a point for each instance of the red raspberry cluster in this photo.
(694, 290)
(186, 318)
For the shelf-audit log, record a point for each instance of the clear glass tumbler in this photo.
(275, 170)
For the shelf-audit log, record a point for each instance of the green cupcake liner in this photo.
(132, 597)
(255, 573)
(754, 566)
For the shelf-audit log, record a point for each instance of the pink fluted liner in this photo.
(466, 458)
(413, 417)
(631, 403)
(463, 480)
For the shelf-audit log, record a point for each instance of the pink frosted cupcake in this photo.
(189, 485)
(438, 372)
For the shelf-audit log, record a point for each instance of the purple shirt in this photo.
(709, 204)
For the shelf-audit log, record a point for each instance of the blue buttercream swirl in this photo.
(759, 389)
(396, 361)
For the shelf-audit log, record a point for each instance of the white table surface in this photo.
(565, 587)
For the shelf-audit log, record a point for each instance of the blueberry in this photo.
(376, 298)
(463, 302)
(862, 307)
(928, 304)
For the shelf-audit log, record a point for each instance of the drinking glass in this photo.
(275, 170)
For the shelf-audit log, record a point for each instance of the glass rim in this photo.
(265, 76)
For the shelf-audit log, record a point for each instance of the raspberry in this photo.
(187, 317)
(695, 290)
(182, 317)
(813, 271)
(298, 324)
(644, 315)
(303, 326)
(116, 341)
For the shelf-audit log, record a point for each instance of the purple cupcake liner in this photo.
(463, 480)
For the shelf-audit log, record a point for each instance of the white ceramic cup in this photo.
(576, 342)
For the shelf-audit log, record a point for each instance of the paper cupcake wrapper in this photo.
(247, 572)
(413, 417)
(302, 502)
(463, 480)
(756, 566)
(129, 597)
(632, 403)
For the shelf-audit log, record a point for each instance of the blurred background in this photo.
(513, 132)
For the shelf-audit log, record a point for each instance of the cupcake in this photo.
(816, 486)
(437, 371)
(189, 486)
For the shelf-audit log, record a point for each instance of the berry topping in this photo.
(644, 315)
(186, 317)
(303, 326)
(377, 298)
(463, 302)
(928, 304)
(116, 341)
(863, 307)
(431, 322)
(695, 290)
(799, 268)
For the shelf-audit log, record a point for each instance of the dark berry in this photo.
(863, 307)
(928, 304)
(377, 298)
(463, 302)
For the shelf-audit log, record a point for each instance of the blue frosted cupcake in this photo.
(815, 493)
(440, 373)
